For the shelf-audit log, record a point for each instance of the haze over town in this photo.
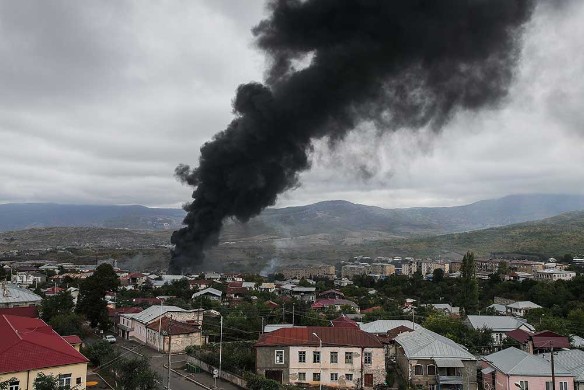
(102, 100)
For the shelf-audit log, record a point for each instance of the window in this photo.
(334, 357)
(14, 385)
(349, 377)
(334, 376)
(524, 385)
(316, 377)
(563, 385)
(301, 356)
(431, 369)
(279, 356)
(65, 380)
(302, 376)
(316, 357)
(418, 369)
(548, 386)
(348, 357)
(367, 358)
(78, 381)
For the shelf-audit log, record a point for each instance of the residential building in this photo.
(310, 272)
(307, 294)
(432, 361)
(539, 342)
(153, 326)
(518, 309)
(512, 368)
(337, 304)
(573, 361)
(343, 357)
(447, 308)
(331, 294)
(13, 296)
(551, 275)
(381, 327)
(382, 269)
(210, 293)
(28, 278)
(498, 325)
(30, 347)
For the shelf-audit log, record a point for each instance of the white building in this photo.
(551, 275)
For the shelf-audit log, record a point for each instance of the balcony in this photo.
(449, 379)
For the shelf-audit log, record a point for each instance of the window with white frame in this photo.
(14, 385)
(524, 385)
(302, 376)
(279, 356)
(316, 357)
(431, 369)
(418, 369)
(367, 358)
(563, 385)
(334, 357)
(316, 377)
(349, 377)
(65, 381)
(301, 356)
(348, 357)
(334, 376)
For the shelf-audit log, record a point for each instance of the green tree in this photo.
(67, 324)
(99, 352)
(48, 382)
(438, 275)
(135, 374)
(470, 286)
(59, 304)
(91, 301)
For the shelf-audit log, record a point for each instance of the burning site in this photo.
(332, 65)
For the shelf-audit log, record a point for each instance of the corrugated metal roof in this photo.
(152, 313)
(572, 360)
(425, 344)
(497, 323)
(209, 290)
(11, 294)
(512, 361)
(524, 305)
(444, 362)
(330, 336)
(383, 326)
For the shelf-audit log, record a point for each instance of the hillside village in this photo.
(365, 323)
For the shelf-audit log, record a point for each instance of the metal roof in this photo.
(497, 323)
(209, 290)
(524, 305)
(383, 326)
(425, 344)
(11, 294)
(330, 336)
(512, 361)
(153, 312)
(572, 360)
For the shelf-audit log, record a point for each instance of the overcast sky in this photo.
(101, 100)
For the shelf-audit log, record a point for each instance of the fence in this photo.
(235, 379)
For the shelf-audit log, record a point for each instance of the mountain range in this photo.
(330, 217)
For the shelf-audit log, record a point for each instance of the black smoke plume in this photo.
(397, 63)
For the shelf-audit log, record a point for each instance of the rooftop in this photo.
(512, 361)
(330, 336)
(10, 294)
(153, 312)
(497, 323)
(383, 326)
(425, 344)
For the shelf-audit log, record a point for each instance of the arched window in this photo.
(431, 369)
(418, 369)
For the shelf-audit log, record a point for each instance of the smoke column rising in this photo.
(399, 64)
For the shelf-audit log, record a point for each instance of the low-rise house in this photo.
(446, 308)
(381, 327)
(498, 308)
(518, 309)
(551, 275)
(538, 342)
(153, 326)
(28, 278)
(337, 304)
(267, 287)
(328, 356)
(512, 368)
(307, 294)
(210, 293)
(430, 360)
(573, 361)
(30, 347)
(331, 294)
(14, 296)
(498, 325)
(200, 284)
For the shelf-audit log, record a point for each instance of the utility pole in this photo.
(169, 350)
(283, 319)
(262, 330)
(221, 347)
(553, 370)
(292, 314)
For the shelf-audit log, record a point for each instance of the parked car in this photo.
(109, 338)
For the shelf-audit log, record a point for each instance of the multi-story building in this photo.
(551, 275)
(382, 269)
(427, 267)
(310, 272)
(342, 357)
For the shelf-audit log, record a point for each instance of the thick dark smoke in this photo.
(400, 64)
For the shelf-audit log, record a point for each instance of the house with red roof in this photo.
(337, 304)
(29, 346)
(341, 357)
(539, 342)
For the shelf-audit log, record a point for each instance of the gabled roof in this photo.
(209, 290)
(73, 339)
(524, 305)
(425, 344)
(148, 315)
(21, 311)
(10, 294)
(174, 327)
(512, 361)
(572, 360)
(497, 323)
(29, 343)
(323, 303)
(383, 326)
(330, 336)
(335, 292)
(344, 321)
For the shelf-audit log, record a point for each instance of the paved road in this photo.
(158, 362)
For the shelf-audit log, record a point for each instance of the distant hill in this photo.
(18, 216)
(331, 217)
(340, 217)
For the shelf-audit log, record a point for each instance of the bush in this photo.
(258, 382)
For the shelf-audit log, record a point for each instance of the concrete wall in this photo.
(27, 378)
(235, 379)
(265, 360)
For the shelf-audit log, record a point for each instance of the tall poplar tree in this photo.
(470, 286)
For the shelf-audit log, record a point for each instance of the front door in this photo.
(368, 380)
